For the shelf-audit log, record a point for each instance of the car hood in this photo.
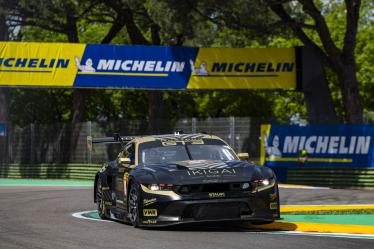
(203, 171)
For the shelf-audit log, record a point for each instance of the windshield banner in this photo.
(317, 145)
(145, 67)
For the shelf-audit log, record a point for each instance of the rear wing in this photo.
(115, 139)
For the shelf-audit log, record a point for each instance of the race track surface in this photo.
(41, 217)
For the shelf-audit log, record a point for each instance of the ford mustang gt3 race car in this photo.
(170, 179)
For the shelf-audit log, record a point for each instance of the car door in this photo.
(122, 175)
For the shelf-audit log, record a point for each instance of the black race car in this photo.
(181, 178)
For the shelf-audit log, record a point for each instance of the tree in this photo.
(341, 60)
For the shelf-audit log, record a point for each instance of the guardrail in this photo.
(332, 177)
(50, 171)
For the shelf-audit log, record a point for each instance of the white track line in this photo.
(79, 215)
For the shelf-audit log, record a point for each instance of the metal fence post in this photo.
(89, 126)
(32, 142)
(193, 124)
(232, 132)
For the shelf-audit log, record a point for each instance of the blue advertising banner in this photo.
(2, 130)
(135, 67)
(317, 145)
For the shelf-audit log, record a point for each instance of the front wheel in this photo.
(134, 199)
(101, 207)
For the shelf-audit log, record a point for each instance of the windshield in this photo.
(209, 149)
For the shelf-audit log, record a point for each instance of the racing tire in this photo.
(134, 206)
(101, 207)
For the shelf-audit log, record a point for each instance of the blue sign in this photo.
(2, 130)
(318, 145)
(135, 67)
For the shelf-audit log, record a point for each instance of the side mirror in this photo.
(124, 161)
(243, 156)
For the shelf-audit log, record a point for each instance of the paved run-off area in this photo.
(40, 216)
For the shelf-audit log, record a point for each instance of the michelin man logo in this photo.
(85, 68)
(272, 151)
(201, 71)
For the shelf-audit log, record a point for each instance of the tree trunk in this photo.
(73, 131)
(4, 104)
(317, 95)
(352, 100)
(155, 102)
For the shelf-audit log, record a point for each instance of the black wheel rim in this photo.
(99, 198)
(133, 205)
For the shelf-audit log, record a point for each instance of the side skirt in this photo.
(118, 214)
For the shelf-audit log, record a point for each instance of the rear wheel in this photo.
(134, 199)
(101, 207)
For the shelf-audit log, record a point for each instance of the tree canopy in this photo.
(340, 32)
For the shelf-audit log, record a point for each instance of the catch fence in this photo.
(66, 143)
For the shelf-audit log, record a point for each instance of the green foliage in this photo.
(197, 23)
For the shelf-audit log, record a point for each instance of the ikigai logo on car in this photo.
(208, 168)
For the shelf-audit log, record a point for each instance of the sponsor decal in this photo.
(220, 68)
(273, 197)
(241, 67)
(38, 64)
(149, 222)
(33, 63)
(149, 212)
(212, 172)
(274, 205)
(125, 182)
(147, 202)
(320, 145)
(217, 195)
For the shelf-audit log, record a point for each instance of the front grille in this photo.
(204, 188)
(214, 211)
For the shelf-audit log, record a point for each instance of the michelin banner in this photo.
(317, 145)
(145, 67)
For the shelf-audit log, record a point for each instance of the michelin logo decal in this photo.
(85, 68)
(130, 66)
(327, 144)
(201, 70)
(241, 67)
(318, 145)
(273, 151)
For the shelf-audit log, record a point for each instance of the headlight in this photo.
(262, 184)
(157, 187)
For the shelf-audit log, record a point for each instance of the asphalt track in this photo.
(41, 217)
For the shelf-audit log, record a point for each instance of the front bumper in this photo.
(162, 208)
